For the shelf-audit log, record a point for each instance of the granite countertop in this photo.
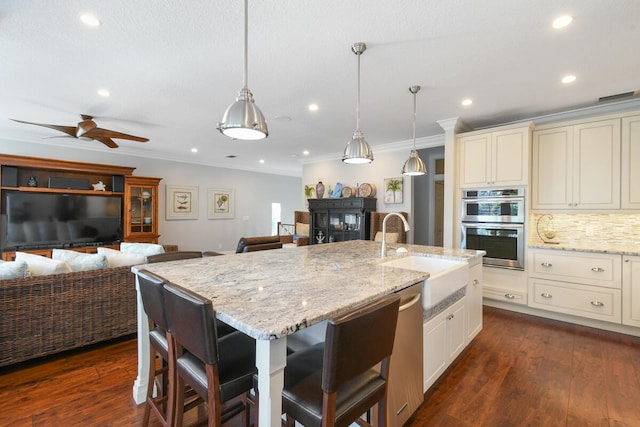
(616, 248)
(270, 294)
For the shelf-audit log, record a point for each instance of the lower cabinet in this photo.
(631, 290)
(474, 302)
(444, 337)
(578, 283)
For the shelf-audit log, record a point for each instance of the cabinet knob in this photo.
(475, 282)
(597, 303)
(546, 295)
(449, 317)
(546, 264)
(597, 269)
(509, 296)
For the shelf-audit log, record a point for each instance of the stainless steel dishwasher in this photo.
(405, 372)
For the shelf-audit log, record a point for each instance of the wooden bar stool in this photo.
(335, 382)
(219, 370)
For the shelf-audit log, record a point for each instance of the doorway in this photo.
(428, 199)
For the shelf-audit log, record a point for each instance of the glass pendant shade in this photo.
(414, 165)
(358, 150)
(243, 119)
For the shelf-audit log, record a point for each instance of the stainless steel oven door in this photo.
(501, 209)
(503, 243)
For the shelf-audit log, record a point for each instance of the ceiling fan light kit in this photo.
(243, 119)
(414, 165)
(358, 150)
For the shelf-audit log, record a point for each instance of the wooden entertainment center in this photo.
(139, 194)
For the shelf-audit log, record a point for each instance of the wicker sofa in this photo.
(43, 315)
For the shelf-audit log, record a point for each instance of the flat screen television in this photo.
(32, 220)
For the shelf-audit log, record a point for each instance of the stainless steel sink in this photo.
(445, 275)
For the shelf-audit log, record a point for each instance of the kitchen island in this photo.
(269, 295)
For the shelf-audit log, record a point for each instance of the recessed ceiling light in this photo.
(562, 21)
(305, 152)
(570, 78)
(90, 20)
(261, 160)
(194, 150)
(104, 93)
(313, 107)
(467, 102)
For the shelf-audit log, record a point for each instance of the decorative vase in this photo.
(319, 189)
(32, 182)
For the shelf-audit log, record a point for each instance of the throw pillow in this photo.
(13, 270)
(145, 249)
(302, 229)
(79, 261)
(120, 259)
(391, 237)
(40, 265)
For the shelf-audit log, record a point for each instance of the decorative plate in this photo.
(367, 190)
(347, 191)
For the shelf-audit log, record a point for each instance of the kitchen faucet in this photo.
(383, 248)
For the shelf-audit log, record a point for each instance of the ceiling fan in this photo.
(88, 129)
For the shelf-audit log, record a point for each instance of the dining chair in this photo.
(335, 382)
(219, 370)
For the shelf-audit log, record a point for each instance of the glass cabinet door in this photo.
(141, 210)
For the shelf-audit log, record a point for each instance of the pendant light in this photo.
(358, 150)
(414, 165)
(243, 119)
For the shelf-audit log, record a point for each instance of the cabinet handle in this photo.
(449, 317)
(597, 269)
(475, 282)
(626, 260)
(597, 303)
(509, 296)
(546, 264)
(546, 295)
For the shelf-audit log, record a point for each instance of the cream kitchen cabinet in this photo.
(577, 166)
(474, 302)
(496, 158)
(578, 283)
(630, 169)
(444, 338)
(631, 290)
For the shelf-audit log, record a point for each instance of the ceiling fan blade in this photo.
(69, 130)
(107, 141)
(98, 133)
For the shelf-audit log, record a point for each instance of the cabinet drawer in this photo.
(592, 269)
(576, 299)
(505, 295)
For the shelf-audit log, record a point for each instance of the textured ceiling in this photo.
(173, 67)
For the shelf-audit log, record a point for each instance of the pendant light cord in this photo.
(414, 120)
(246, 45)
(358, 103)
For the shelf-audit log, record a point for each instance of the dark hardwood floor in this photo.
(520, 371)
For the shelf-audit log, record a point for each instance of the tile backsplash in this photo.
(585, 229)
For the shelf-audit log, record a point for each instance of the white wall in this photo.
(255, 192)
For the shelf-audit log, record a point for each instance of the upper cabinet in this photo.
(578, 166)
(494, 159)
(630, 170)
(141, 209)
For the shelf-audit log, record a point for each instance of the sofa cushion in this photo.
(40, 266)
(391, 237)
(79, 261)
(145, 249)
(302, 229)
(120, 259)
(13, 269)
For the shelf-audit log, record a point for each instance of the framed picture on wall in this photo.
(181, 202)
(221, 203)
(393, 190)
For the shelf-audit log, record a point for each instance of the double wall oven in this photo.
(493, 221)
